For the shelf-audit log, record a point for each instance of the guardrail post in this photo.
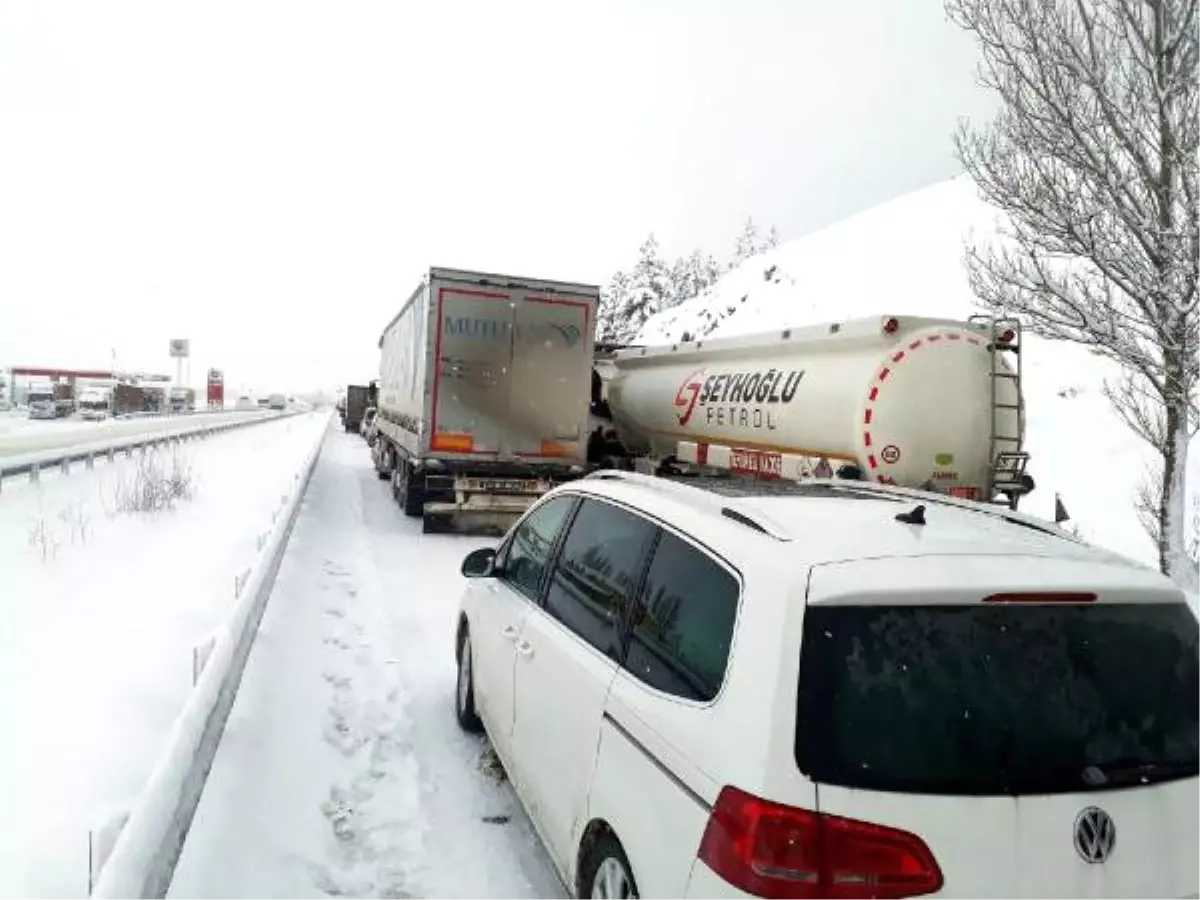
(66, 465)
(90, 462)
(35, 472)
(111, 454)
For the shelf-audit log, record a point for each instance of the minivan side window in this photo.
(683, 622)
(597, 573)
(528, 552)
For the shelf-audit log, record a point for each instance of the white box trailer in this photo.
(484, 390)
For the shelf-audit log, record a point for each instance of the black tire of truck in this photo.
(385, 461)
(408, 491)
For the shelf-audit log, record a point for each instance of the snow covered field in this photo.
(100, 610)
(19, 434)
(905, 258)
(342, 770)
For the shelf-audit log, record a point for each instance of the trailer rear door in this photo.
(513, 371)
(473, 351)
(551, 375)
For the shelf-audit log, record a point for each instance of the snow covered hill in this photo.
(905, 257)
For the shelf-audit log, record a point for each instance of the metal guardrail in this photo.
(61, 458)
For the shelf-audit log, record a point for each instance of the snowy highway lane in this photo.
(100, 609)
(20, 436)
(342, 770)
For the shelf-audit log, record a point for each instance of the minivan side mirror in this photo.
(479, 563)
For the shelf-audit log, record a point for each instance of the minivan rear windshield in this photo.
(998, 699)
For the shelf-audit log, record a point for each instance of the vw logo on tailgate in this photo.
(1095, 835)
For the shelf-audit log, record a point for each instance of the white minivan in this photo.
(726, 689)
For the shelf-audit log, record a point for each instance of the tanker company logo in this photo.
(500, 330)
(737, 399)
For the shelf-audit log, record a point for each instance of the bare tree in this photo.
(1093, 160)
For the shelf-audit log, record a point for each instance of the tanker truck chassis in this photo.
(930, 404)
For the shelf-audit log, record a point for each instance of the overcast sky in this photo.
(269, 179)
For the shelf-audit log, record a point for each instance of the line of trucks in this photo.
(56, 400)
(492, 389)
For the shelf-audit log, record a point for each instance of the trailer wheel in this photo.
(414, 496)
(408, 491)
(384, 465)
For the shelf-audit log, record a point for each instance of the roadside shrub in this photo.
(158, 482)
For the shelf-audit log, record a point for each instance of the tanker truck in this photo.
(922, 403)
(482, 401)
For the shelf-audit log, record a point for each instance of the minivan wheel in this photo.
(607, 872)
(464, 692)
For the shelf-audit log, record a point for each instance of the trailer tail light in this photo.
(891, 326)
(1008, 336)
(771, 850)
(453, 443)
(1042, 597)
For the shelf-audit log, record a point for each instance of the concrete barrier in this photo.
(143, 859)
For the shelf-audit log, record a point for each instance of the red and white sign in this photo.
(763, 463)
(216, 387)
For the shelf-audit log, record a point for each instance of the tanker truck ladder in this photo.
(1007, 474)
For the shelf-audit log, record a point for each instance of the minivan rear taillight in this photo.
(771, 850)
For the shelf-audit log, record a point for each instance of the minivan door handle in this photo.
(509, 631)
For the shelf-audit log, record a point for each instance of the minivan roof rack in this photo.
(697, 497)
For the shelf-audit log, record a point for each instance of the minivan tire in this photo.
(464, 688)
(606, 871)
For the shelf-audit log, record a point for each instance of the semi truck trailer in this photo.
(483, 395)
(357, 401)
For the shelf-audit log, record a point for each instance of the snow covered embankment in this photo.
(101, 608)
(144, 856)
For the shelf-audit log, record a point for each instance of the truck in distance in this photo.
(357, 401)
(95, 404)
(41, 400)
(483, 400)
(182, 400)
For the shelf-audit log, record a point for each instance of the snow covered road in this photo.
(342, 770)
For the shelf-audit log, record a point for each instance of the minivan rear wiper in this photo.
(1124, 772)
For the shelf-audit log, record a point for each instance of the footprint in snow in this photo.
(330, 886)
(341, 682)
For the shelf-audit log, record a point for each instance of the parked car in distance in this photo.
(732, 688)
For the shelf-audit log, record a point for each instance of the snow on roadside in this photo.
(342, 770)
(98, 623)
(905, 258)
